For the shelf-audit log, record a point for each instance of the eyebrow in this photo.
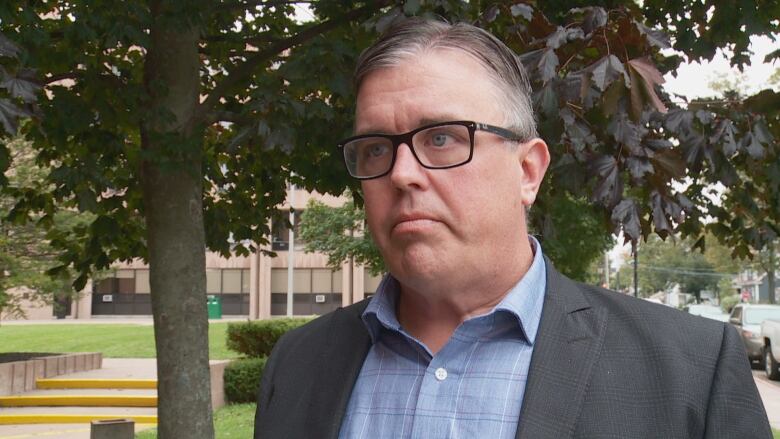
(421, 122)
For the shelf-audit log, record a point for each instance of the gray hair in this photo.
(413, 36)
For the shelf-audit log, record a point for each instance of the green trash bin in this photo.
(214, 305)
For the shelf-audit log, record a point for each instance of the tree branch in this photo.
(225, 116)
(245, 4)
(59, 77)
(244, 70)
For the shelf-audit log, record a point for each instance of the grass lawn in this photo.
(234, 421)
(776, 434)
(113, 340)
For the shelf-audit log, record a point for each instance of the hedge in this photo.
(255, 339)
(242, 379)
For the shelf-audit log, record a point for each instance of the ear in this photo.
(534, 160)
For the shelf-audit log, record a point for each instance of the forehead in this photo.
(429, 86)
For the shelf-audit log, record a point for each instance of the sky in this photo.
(693, 79)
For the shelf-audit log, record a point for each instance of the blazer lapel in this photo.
(340, 359)
(567, 345)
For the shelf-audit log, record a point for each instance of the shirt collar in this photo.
(524, 301)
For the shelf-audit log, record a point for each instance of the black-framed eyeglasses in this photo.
(440, 145)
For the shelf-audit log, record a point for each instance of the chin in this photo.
(418, 263)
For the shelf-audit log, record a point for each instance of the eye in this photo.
(439, 139)
(375, 150)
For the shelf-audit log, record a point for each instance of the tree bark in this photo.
(173, 204)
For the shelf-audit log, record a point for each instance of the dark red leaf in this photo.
(678, 120)
(490, 15)
(548, 65)
(659, 213)
(670, 162)
(606, 70)
(751, 143)
(557, 38)
(624, 131)
(609, 189)
(654, 37)
(638, 167)
(650, 78)
(8, 48)
(626, 214)
(523, 9)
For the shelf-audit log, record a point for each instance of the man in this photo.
(473, 334)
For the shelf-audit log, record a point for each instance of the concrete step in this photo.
(75, 415)
(95, 383)
(53, 431)
(76, 392)
(79, 401)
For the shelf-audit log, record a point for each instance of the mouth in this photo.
(413, 223)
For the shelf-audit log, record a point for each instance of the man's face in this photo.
(443, 226)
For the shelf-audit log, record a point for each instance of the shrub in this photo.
(727, 303)
(255, 339)
(242, 379)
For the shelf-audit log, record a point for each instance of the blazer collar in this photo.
(568, 343)
(567, 346)
(340, 360)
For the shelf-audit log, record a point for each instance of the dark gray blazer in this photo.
(604, 366)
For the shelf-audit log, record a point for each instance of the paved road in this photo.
(770, 395)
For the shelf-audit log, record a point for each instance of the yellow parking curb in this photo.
(79, 400)
(72, 419)
(62, 383)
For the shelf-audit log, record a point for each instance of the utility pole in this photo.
(770, 273)
(636, 275)
(291, 253)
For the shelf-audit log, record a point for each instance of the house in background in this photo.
(753, 286)
(252, 286)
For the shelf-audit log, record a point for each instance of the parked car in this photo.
(709, 311)
(770, 333)
(747, 318)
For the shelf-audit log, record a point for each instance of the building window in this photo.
(227, 281)
(280, 233)
(213, 281)
(231, 281)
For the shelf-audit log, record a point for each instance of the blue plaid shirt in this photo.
(472, 388)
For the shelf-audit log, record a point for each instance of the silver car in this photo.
(747, 319)
(709, 311)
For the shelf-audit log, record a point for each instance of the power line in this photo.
(691, 272)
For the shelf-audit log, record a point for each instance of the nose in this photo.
(407, 171)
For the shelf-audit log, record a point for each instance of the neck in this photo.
(432, 314)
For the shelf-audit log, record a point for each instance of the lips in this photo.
(413, 222)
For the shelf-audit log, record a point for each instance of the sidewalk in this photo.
(115, 368)
(106, 320)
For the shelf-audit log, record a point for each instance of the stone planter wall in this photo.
(19, 376)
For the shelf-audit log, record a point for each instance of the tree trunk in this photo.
(173, 204)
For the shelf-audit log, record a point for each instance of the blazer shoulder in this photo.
(660, 323)
(314, 334)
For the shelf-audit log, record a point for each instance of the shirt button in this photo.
(441, 374)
